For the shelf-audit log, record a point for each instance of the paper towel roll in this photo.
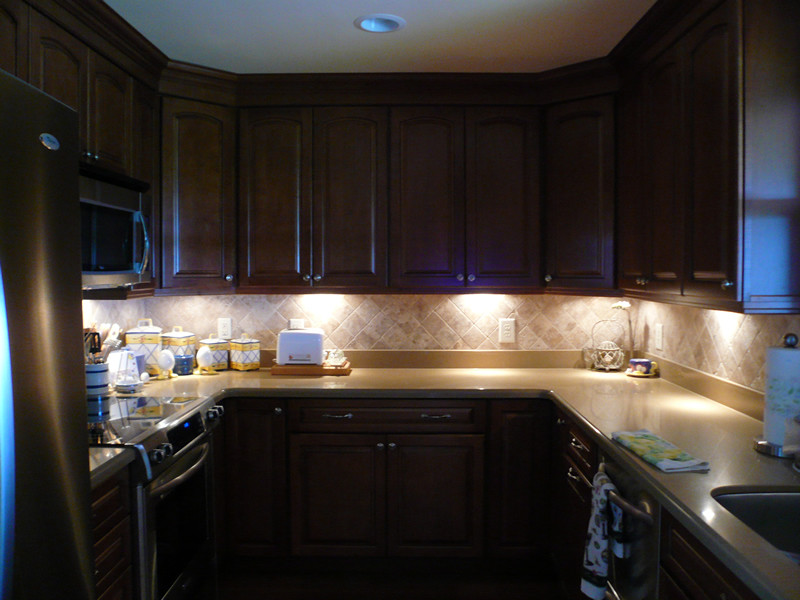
(782, 397)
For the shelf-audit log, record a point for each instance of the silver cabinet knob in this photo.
(460, 277)
(278, 410)
(380, 444)
(317, 277)
(229, 277)
(306, 277)
(642, 281)
(392, 445)
(548, 278)
(470, 277)
(727, 284)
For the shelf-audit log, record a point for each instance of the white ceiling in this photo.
(318, 36)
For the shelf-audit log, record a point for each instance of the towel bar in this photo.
(643, 512)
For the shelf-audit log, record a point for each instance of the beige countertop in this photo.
(603, 402)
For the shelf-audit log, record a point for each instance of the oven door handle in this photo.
(611, 593)
(173, 483)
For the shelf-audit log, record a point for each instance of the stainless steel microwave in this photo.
(115, 243)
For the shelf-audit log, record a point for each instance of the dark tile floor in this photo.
(388, 579)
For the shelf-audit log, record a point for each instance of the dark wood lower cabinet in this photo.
(396, 495)
(111, 521)
(517, 472)
(253, 501)
(689, 571)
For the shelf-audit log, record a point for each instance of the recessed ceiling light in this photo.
(379, 23)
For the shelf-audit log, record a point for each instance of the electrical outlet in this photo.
(297, 323)
(508, 334)
(225, 328)
(658, 335)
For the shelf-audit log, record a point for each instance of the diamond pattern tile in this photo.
(724, 344)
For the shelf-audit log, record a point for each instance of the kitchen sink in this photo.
(772, 512)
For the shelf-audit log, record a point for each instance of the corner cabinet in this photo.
(254, 491)
(579, 194)
(709, 192)
(465, 197)
(198, 215)
(327, 229)
(14, 20)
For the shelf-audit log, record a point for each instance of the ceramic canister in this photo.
(219, 351)
(182, 343)
(145, 339)
(245, 354)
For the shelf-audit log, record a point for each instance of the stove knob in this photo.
(214, 413)
(167, 448)
(157, 455)
(220, 409)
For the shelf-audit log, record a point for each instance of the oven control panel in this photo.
(185, 432)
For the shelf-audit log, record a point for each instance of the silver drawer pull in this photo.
(344, 416)
(577, 445)
(444, 416)
(571, 474)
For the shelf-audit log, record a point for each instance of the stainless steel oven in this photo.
(178, 526)
(174, 503)
(633, 576)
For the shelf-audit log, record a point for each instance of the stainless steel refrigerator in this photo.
(46, 548)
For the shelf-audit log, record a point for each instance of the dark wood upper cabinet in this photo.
(579, 194)
(719, 178)
(109, 115)
(710, 75)
(59, 64)
(198, 205)
(350, 197)
(502, 197)
(275, 197)
(14, 37)
(326, 229)
(465, 197)
(427, 200)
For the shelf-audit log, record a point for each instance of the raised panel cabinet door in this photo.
(579, 194)
(275, 197)
(338, 494)
(256, 493)
(666, 184)
(109, 115)
(435, 495)
(350, 197)
(712, 116)
(503, 206)
(518, 471)
(633, 221)
(58, 66)
(427, 197)
(14, 37)
(198, 204)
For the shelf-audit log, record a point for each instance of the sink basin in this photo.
(773, 513)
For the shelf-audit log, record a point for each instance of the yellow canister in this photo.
(145, 339)
(182, 343)
(219, 351)
(245, 354)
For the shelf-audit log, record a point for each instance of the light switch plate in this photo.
(658, 336)
(508, 333)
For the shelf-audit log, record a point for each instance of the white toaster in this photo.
(300, 347)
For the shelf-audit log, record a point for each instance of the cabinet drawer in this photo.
(112, 555)
(576, 444)
(388, 416)
(110, 504)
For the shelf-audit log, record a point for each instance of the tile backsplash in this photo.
(727, 345)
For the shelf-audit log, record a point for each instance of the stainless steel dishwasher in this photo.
(635, 576)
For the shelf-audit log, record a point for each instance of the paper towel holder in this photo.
(760, 444)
